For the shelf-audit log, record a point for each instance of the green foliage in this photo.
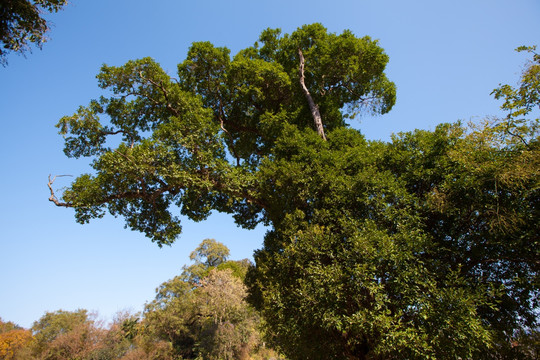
(197, 143)
(21, 23)
(69, 335)
(522, 102)
(210, 253)
(396, 250)
(203, 313)
(238, 268)
(64, 335)
(54, 324)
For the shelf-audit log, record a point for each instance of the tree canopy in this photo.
(21, 23)
(424, 247)
(199, 142)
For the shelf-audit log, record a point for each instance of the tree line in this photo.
(200, 314)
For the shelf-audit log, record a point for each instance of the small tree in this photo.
(210, 253)
(205, 314)
(66, 335)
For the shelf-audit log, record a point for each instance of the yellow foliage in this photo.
(13, 341)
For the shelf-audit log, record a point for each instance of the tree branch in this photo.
(312, 106)
(163, 90)
(53, 197)
(221, 124)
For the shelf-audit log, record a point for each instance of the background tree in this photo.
(231, 325)
(77, 335)
(8, 326)
(14, 341)
(21, 23)
(66, 335)
(118, 339)
(209, 254)
(206, 314)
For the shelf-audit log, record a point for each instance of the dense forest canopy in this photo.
(422, 247)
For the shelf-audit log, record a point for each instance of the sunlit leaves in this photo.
(521, 102)
(196, 143)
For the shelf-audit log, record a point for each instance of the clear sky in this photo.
(445, 58)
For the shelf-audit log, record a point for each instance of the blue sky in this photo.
(445, 58)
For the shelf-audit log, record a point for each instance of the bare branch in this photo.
(312, 106)
(53, 197)
(232, 141)
(113, 132)
(507, 128)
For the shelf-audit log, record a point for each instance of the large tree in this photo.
(375, 250)
(22, 23)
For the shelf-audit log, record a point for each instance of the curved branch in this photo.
(53, 197)
(232, 141)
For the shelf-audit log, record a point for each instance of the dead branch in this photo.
(53, 197)
(312, 106)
